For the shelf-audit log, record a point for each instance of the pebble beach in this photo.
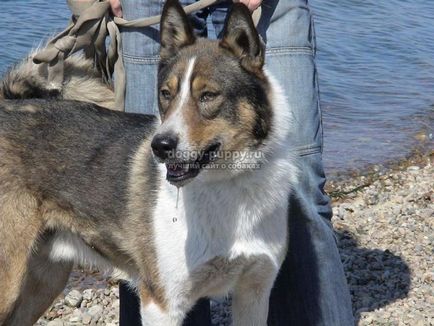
(384, 223)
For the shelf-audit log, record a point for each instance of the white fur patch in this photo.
(175, 123)
(155, 316)
(186, 83)
(67, 246)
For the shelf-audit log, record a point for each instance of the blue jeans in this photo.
(311, 288)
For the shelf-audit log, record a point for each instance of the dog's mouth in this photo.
(179, 173)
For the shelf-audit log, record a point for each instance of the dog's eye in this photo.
(207, 97)
(165, 94)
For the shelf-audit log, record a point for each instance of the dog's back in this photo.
(70, 149)
(83, 82)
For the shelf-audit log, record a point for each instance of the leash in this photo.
(90, 24)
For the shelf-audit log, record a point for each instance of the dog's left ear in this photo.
(175, 30)
(242, 39)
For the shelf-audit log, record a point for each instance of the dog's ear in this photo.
(175, 30)
(242, 39)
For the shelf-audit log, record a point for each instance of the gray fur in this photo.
(74, 160)
(82, 82)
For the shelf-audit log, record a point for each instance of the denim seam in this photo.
(308, 150)
(290, 50)
(141, 60)
(271, 51)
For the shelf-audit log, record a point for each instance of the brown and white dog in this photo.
(82, 184)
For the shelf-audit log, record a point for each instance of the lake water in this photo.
(376, 65)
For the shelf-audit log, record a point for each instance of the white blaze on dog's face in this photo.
(213, 95)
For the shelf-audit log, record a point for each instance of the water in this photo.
(25, 23)
(375, 59)
(376, 65)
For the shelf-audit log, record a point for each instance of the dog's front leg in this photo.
(160, 310)
(250, 298)
(152, 314)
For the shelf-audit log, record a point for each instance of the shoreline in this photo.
(384, 222)
(341, 186)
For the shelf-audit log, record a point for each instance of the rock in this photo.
(73, 298)
(87, 318)
(372, 199)
(95, 312)
(75, 319)
(56, 322)
(115, 304)
(88, 294)
(369, 320)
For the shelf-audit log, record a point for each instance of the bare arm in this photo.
(251, 4)
(115, 5)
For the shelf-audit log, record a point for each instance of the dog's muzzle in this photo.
(180, 172)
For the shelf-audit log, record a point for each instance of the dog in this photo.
(189, 205)
(83, 82)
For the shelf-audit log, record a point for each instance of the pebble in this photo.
(86, 319)
(56, 322)
(95, 311)
(73, 298)
(88, 294)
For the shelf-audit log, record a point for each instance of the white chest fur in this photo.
(241, 217)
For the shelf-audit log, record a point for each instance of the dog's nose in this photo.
(163, 145)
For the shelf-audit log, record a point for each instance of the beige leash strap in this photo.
(81, 34)
(90, 24)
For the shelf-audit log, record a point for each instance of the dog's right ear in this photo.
(242, 39)
(175, 30)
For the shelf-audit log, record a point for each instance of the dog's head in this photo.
(213, 95)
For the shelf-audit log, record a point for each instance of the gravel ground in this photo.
(384, 223)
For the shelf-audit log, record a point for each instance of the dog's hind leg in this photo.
(44, 281)
(20, 225)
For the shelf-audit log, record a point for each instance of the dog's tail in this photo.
(82, 82)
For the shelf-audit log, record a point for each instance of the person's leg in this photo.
(140, 47)
(139, 50)
(311, 288)
(140, 55)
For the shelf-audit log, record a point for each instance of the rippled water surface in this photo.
(376, 65)
(375, 59)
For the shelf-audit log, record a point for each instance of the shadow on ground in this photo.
(376, 277)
